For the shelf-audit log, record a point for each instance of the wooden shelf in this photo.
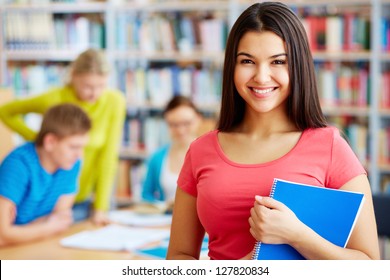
(45, 55)
(169, 6)
(63, 8)
(314, 3)
(169, 56)
(384, 168)
(132, 154)
(342, 56)
(346, 111)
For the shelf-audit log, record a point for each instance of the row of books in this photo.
(145, 134)
(384, 145)
(344, 32)
(32, 79)
(39, 2)
(343, 84)
(385, 185)
(385, 32)
(171, 32)
(155, 86)
(355, 130)
(42, 30)
(384, 98)
(339, 85)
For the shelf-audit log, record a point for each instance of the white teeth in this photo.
(263, 91)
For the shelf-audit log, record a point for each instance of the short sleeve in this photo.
(14, 179)
(344, 164)
(74, 173)
(186, 180)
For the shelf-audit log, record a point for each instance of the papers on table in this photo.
(160, 250)
(115, 238)
(131, 218)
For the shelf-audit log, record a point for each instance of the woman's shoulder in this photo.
(205, 139)
(115, 94)
(161, 151)
(325, 133)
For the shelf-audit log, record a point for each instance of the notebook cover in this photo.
(329, 212)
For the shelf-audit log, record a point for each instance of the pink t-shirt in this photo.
(225, 190)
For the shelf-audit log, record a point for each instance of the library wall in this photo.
(161, 48)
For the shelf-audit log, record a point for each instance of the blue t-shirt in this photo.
(33, 190)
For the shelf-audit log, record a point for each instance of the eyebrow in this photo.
(251, 56)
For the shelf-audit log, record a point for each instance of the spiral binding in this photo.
(256, 249)
(271, 194)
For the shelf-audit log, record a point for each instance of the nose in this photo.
(262, 74)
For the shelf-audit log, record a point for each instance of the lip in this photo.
(263, 92)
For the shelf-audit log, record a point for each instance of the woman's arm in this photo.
(106, 167)
(151, 188)
(186, 231)
(273, 222)
(12, 114)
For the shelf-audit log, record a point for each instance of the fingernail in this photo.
(258, 197)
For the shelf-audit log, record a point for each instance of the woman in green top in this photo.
(105, 107)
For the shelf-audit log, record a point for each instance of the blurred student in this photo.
(183, 120)
(271, 126)
(39, 180)
(87, 88)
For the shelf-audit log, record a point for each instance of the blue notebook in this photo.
(330, 213)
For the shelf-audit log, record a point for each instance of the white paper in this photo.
(127, 217)
(114, 238)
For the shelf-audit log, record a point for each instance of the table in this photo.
(50, 249)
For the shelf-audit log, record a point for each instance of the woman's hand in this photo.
(100, 218)
(273, 222)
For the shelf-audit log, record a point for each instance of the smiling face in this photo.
(261, 72)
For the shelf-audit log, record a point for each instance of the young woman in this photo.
(105, 107)
(183, 120)
(271, 125)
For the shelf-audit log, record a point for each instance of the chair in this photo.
(382, 215)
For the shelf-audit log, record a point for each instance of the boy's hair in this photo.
(90, 61)
(303, 105)
(63, 120)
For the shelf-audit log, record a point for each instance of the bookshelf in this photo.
(358, 69)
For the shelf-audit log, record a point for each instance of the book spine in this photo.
(256, 249)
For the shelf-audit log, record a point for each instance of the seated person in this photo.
(183, 120)
(39, 179)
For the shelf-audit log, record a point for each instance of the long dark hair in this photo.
(303, 105)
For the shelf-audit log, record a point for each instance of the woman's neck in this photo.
(180, 146)
(264, 125)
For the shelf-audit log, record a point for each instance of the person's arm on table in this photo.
(43, 227)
